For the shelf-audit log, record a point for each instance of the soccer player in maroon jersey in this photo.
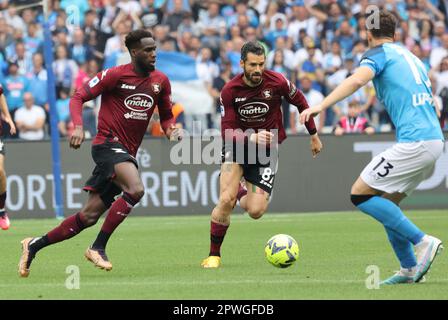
(4, 220)
(129, 95)
(251, 128)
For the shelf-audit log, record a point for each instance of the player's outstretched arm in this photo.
(357, 80)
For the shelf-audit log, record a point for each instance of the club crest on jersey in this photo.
(267, 94)
(156, 88)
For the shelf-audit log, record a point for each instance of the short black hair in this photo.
(387, 25)
(134, 37)
(253, 47)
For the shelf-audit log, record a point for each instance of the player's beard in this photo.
(249, 77)
(145, 67)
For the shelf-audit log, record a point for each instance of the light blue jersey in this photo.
(403, 86)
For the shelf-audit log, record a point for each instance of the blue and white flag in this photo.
(186, 87)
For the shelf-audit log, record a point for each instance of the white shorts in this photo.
(402, 167)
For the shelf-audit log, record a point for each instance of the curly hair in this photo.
(134, 37)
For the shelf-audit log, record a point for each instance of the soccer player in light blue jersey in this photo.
(402, 85)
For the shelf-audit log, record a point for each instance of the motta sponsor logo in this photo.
(139, 102)
(253, 110)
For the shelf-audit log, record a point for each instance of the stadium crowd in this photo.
(314, 43)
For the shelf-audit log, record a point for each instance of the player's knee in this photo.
(90, 218)
(358, 199)
(137, 192)
(256, 211)
(2, 173)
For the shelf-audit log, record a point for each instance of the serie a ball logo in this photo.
(282, 251)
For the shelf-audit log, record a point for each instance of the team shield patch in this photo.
(156, 88)
(267, 94)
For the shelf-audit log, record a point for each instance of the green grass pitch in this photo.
(159, 258)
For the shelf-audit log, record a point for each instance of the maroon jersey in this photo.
(127, 103)
(259, 108)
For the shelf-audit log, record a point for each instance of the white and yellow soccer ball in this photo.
(281, 251)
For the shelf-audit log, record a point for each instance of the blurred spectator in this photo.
(313, 97)
(353, 122)
(37, 80)
(13, 19)
(114, 43)
(313, 67)
(437, 54)
(207, 69)
(288, 54)
(63, 109)
(130, 7)
(278, 30)
(304, 18)
(212, 26)
(441, 75)
(302, 54)
(30, 119)
(345, 37)
(175, 18)
(33, 41)
(225, 75)
(280, 66)
(5, 35)
(23, 58)
(14, 86)
(78, 49)
(65, 69)
(241, 9)
(332, 61)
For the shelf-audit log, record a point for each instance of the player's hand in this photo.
(77, 137)
(263, 137)
(316, 145)
(173, 133)
(310, 112)
(12, 126)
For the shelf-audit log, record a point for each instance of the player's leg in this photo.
(402, 233)
(68, 228)
(4, 219)
(397, 172)
(128, 180)
(229, 184)
(257, 200)
(259, 182)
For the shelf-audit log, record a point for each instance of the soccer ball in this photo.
(281, 250)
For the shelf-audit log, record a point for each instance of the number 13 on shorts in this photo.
(382, 169)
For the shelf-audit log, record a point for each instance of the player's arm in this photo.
(5, 113)
(167, 121)
(102, 82)
(296, 97)
(357, 80)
